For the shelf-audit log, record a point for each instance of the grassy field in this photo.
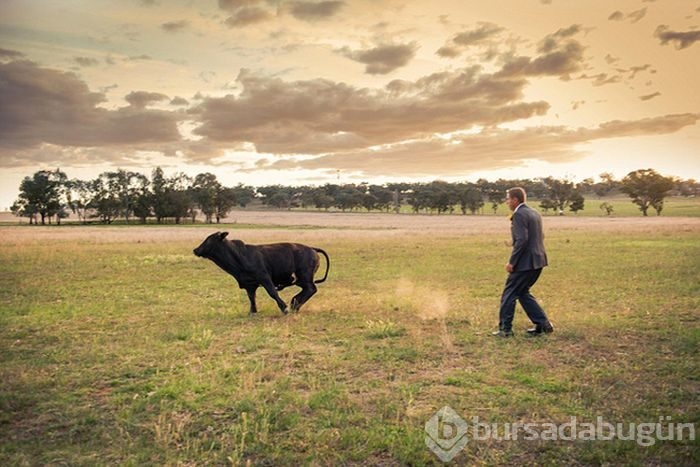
(120, 347)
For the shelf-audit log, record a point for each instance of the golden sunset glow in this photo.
(310, 92)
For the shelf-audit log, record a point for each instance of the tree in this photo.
(79, 195)
(224, 201)
(607, 207)
(106, 202)
(171, 197)
(647, 189)
(41, 194)
(547, 204)
(124, 187)
(470, 198)
(559, 191)
(205, 189)
(577, 201)
(606, 185)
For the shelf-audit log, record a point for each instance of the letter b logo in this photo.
(447, 434)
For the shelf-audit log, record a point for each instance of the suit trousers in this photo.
(517, 288)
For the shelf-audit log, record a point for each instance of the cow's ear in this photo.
(222, 235)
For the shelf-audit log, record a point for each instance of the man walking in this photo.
(524, 267)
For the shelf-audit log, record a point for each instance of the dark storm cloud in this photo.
(681, 40)
(46, 106)
(383, 59)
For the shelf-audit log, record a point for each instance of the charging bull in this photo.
(273, 266)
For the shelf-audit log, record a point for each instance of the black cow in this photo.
(274, 266)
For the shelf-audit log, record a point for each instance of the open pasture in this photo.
(120, 347)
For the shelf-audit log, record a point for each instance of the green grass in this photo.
(141, 353)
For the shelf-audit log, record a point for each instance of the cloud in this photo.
(46, 106)
(483, 34)
(616, 16)
(316, 116)
(649, 97)
(174, 26)
(86, 61)
(492, 148)
(232, 5)
(560, 55)
(383, 59)
(681, 40)
(141, 99)
(312, 11)
(247, 16)
(10, 54)
(634, 16)
(637, 15)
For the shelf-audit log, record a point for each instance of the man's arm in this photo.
(519, 231)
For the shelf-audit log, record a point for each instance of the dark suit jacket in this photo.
(528, 240)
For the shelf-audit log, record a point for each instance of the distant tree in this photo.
(547, 204)
(607, 208)
(559, 192)
(124, 187)
(470, 198)
(647, 189)
(495, 193)
(42, 194)
(383, 196)
(171, 196)
(79, 195)
(369, 201)
(688, 187)
(224, 201)
(348, 197)
(244, 195)
(143, 200)
(204, 190)
(606, 185)
(577, 202)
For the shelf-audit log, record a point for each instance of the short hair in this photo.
(517, 193)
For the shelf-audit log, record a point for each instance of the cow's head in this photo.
(210, 244)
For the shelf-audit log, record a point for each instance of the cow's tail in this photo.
(328, 266)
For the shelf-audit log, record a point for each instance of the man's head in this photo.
(515, 197)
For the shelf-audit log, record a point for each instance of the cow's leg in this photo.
(251, 296)
(272, 292)
(308, 289)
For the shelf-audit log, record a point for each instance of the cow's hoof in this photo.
(286, 310)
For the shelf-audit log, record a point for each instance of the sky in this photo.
(308, 92)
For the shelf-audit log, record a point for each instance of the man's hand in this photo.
(509, 267)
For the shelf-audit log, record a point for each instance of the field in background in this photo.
(121, 347)
(622, 207)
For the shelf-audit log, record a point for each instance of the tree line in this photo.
(131, 196)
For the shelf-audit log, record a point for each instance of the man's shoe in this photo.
(502, 333)
(547, 328)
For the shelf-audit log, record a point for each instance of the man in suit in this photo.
(524, 267)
